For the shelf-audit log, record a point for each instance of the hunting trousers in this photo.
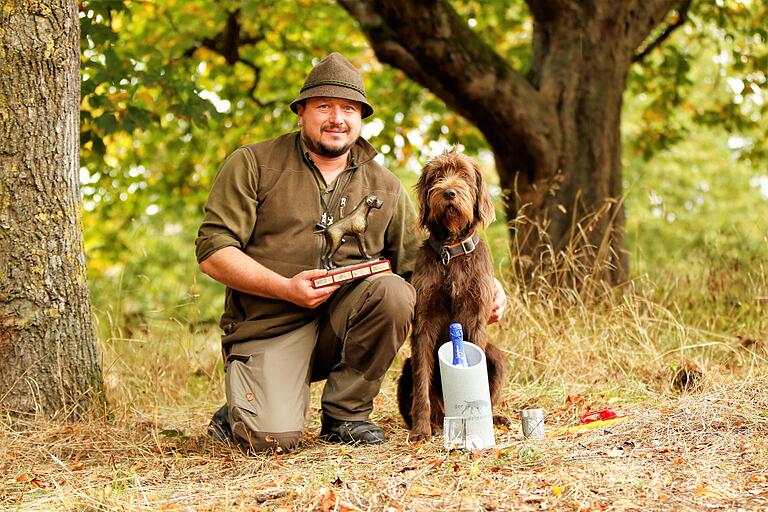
(350, 345)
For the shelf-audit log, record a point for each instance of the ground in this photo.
(697, 450)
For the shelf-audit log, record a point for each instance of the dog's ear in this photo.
(485, 213)
(422, 191)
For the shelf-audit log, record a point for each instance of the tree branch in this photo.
(544, 11)
(682, 17)
(227, 43)
(433, 45)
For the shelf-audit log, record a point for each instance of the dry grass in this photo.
(707, 450)
(694, 391)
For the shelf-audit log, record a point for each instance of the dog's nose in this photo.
(449, 193)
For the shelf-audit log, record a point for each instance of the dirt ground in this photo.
(695, 451)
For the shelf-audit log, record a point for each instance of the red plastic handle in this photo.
(601, 415)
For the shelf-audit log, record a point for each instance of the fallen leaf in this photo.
(38, 483)
(436, 463)
(702, 490)
(532, 498)
(330, 503)
(417, 490)
(327, 500)
(270, 494)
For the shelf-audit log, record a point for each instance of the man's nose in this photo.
(335, 115)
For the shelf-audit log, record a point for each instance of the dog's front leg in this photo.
(423, 367)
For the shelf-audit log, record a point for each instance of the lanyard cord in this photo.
(327, 218)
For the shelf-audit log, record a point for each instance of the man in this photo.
(259, 238)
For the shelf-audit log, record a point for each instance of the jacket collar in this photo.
(448, 252)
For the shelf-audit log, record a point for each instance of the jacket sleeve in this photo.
(230, 212)
(403, 237)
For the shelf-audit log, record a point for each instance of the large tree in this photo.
(555, 131)
(48, 359)
(171, 87)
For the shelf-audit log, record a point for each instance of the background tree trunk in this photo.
(48, 359)
(555, 133)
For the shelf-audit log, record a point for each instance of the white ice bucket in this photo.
(466, 393)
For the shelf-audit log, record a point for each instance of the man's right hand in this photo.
(301, 292)
(232, 267)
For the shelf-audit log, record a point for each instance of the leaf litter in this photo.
(695, 451)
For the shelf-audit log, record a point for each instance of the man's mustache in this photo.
(335, 127)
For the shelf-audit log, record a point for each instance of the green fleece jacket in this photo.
(266, 201)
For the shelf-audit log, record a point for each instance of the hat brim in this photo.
(333, 91)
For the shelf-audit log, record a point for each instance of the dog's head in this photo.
(452, 194)
(373, 202)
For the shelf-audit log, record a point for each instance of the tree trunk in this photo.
(48, 359)
(555, 133)
(573, 211)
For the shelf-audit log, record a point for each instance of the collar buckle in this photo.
(468, 245)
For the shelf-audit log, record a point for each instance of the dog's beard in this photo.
(453, 215)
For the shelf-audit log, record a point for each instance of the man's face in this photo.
(330, 126)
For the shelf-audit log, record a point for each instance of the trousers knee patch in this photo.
(259, 442)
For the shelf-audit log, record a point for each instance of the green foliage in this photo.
(711, 72)
(166, 95)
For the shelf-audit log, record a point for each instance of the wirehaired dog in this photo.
(355, 224)
(454, 282)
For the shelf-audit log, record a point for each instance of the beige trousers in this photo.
(350, 344)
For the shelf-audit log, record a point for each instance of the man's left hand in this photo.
(499, 302)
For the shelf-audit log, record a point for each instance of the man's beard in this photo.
(324, 150)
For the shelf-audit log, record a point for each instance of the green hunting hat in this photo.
(334, 77)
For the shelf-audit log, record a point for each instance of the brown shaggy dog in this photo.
(454, 205)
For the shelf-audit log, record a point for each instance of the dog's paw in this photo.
(419, 437)
(501, 420)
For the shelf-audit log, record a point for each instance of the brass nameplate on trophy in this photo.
(348, 273)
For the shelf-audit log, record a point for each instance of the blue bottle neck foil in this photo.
(457, 340)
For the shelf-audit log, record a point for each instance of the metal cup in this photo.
(455, 432)
(532, 421)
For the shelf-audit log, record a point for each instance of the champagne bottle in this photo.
(457, 340)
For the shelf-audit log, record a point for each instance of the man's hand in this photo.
(499, 302)
(299, 289)
(232, 267)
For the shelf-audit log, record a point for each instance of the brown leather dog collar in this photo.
(448, 252)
